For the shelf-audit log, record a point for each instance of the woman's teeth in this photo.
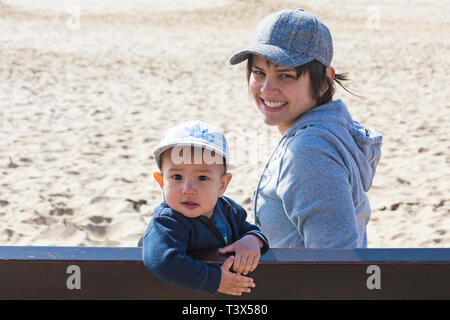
(273, 104)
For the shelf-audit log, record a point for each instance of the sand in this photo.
(87, 89)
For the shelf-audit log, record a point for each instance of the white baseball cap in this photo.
(194, 134)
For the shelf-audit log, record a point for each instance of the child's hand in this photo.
(232, 283)
(248, 252)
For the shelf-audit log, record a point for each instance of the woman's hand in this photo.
(247, 253)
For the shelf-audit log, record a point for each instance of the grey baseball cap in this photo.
(290, 38)
(194, 134)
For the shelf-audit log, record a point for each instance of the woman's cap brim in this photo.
(272, 53)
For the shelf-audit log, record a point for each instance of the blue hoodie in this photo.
(170, 235)
(311, 193)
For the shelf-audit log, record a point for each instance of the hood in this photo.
(363, 143)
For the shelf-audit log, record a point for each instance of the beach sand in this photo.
(87, 90)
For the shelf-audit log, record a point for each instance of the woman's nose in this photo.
(269, 87)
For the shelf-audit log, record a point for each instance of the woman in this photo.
(311, 193)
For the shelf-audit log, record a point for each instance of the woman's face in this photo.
(278, 94)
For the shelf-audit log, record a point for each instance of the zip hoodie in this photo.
(311, 193)
(170, 235)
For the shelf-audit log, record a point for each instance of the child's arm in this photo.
(244, 227)
(251, 244)
(164, 254)
(247, 253)
(232, 283)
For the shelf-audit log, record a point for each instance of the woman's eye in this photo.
(203, 178)
(177, 177)
(258, 73)
(287, 76)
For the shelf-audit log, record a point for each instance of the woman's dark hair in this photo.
(318, 79)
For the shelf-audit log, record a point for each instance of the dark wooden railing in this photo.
(283, 274)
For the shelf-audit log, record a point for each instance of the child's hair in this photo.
(317, 77)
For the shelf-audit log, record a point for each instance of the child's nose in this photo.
(188, 188)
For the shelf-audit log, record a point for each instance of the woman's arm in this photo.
(316, 193)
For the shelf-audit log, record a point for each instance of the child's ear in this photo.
(159, 178)
(224, 181)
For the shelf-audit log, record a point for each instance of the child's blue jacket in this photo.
(170, 235)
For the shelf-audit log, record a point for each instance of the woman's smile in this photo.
(273, 106)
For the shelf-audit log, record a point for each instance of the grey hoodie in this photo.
(311, 193)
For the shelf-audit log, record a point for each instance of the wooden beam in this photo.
(283, 274)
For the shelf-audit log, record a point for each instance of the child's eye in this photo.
(203, 178)
(177, 177)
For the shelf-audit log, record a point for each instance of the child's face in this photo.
(279, 95)
(191, 189)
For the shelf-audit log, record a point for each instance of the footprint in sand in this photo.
(11, 164)
(61, 212)
(3, 203)
(98, 225)
(100, 219)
